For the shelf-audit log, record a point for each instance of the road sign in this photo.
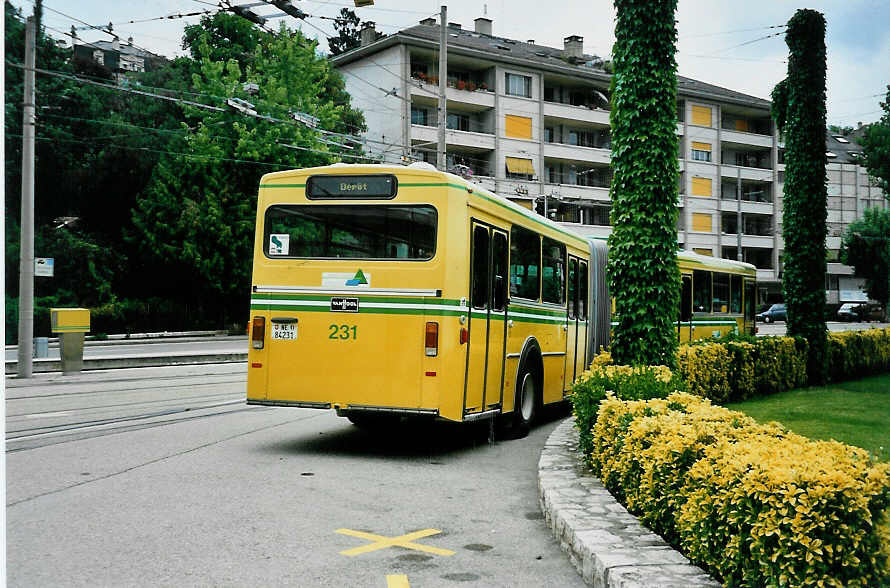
(43, 266)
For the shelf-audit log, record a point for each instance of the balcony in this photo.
(756, 174)
(428, 93)
(467, 139)
(577, 153)
(568, 112)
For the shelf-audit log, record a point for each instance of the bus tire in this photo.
(527, 399)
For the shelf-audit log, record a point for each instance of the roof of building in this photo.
(844, 148)
(509, 50)
(123, 48)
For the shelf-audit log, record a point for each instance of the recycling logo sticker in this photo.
(279, 244)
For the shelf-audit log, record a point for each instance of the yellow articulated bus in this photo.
(384, 291)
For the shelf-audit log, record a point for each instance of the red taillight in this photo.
(258, 333)
(464, 335)
(432, 339)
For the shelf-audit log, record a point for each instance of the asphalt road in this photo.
(163, 477)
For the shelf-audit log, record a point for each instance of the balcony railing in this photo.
(590, 178)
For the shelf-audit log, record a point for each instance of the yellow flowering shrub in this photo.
(858, 353)
(623, 382)
(788, 512)
(756, 504)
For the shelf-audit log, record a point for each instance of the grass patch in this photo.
(856, 412)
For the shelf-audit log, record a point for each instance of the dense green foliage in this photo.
(799, 111)
(866, 246)
(162, 194)
(643, 274)
(348, 35)
(875, 143)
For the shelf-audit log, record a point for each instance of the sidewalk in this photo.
(606, 544)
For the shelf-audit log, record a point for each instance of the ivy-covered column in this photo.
(799, 110)
(643, 274)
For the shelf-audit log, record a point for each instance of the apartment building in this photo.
(531, 123)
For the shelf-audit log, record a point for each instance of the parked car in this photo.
(776, 312)
(849, 312)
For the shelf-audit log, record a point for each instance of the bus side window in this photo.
(525, 263)
(582, 292)
(701, 291)
(573, 286)
(735, 295)
(554, 278)
(480, 267)
(721, 292)
(499, 263)
(686, 299)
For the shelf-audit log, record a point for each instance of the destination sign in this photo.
(344, 304)
(351, 187)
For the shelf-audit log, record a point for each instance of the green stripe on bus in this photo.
(282, 185)
(399, 311)
(362, 296)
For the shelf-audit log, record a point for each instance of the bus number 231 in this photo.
(342, 332)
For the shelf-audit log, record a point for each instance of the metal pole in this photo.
(738, 218)
(26, 257)
(443, 81)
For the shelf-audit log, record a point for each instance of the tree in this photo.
(799, 111)
(643, 274)
(876, 148)
(348, 32)
(866, 246)
(195, 219)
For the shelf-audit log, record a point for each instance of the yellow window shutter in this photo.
(741, 125)
(701, 187)
(701, 116)
(703, 252)
(518, 165)
(519, 127)
(701, 146)
(701, 222)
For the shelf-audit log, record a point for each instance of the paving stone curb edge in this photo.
(605, 543)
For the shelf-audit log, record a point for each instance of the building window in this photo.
(701, 116)
(418, 116)
(457, 122)
(518, 85)
(701, 187)
(701, 151)
(519, 127)
(701, 223)
(548, 134)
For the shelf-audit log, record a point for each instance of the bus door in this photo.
(750, 305)
(572, 324)
(685, 314)
(488, 313)
(576, 317)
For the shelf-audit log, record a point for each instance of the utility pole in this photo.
(26, 256)
(443, 84)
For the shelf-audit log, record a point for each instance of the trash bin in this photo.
(71, 324)
(41, 347)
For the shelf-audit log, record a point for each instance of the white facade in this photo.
(533, 126)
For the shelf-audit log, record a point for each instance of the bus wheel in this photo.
(526, 403)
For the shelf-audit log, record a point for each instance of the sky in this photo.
(739, 45)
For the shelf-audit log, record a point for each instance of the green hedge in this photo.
(735, 370)
(755, 504)
(624, 382)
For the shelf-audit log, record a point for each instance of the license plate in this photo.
(284, 331)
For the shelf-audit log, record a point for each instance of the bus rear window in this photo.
(350, 231)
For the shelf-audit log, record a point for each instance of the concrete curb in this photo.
(605, 543)
(135, 360)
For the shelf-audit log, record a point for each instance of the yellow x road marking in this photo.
(381, 542)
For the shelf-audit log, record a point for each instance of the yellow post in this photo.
(71, 324)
